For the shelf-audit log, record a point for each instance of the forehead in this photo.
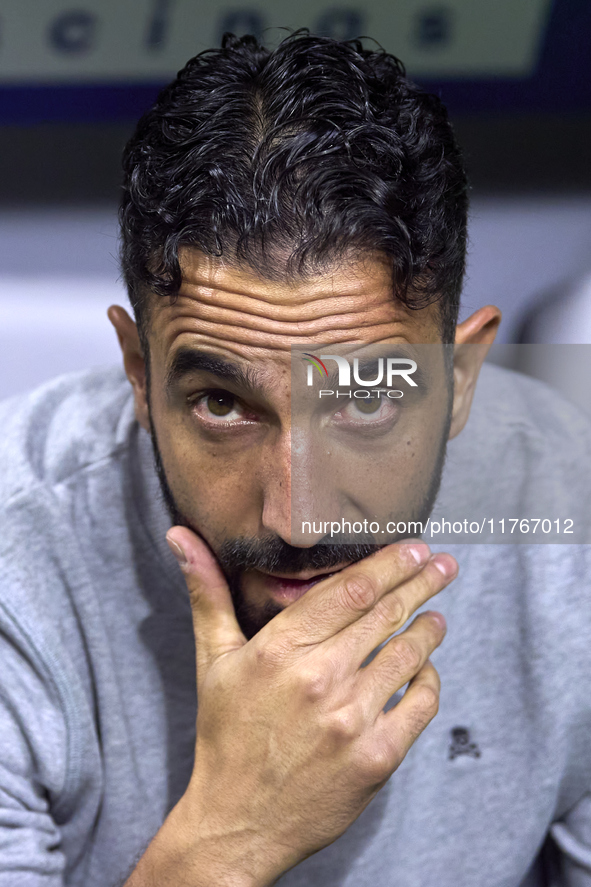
(234, 311)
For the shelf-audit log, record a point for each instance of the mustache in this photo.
(273, 554)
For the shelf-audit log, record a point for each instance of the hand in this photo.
(292, 741)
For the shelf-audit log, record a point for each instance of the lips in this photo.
(289, 588)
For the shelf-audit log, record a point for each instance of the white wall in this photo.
(523, 247)
(58, 276)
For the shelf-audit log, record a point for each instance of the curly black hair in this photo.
(286, 160)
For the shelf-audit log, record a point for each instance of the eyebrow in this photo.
(190, 360)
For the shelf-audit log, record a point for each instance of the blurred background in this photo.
(76, 74)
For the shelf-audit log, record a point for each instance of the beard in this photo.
(273, 554)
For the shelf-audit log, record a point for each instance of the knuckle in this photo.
(268, 656)
(405, 657)
(391, 612)
(377, 765)
(359, 592)
(343, 726)
(314, 685)
(416, 723)
(427, 702)
(397, 610)
(429, 582)
(425, 583)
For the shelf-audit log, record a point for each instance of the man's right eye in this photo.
(219, 409)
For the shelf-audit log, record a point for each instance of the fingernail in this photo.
(420, 552)
(177, 551)
(446, 565)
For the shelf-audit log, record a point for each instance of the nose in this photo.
(298, 500)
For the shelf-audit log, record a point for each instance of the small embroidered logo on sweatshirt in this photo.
(460, 744)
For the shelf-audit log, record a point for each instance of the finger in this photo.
(214, 620)
(400, 660)
(334, 603)
(397, 729)
(354, 643)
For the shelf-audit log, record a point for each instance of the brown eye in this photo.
(220, 403)
(367, 404)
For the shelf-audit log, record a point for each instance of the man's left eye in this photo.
(366, 411)
(367, 405)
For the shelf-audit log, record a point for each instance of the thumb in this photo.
(214, 621)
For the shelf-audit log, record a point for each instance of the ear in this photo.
(133, 360)
(474, 336)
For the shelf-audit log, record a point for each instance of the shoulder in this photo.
(55, 440)
(61, 427)
(508, 403)
(522, 464)
(72, 424)
(525, 453)
(58, 442)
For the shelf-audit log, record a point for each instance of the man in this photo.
(312, 197)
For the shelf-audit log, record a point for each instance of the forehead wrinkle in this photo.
(297, 329)
(228, 318)
(229, 336)
(322, 305)
(349, 276)
(260, 316)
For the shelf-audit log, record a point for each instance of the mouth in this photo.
(285, 588)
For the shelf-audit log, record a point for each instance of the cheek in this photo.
(214, 486)
(377, 479)
(396, 480)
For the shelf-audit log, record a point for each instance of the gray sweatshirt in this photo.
(97, 689)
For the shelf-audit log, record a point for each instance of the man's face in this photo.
(221, 417)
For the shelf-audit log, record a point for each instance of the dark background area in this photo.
(62, 143)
